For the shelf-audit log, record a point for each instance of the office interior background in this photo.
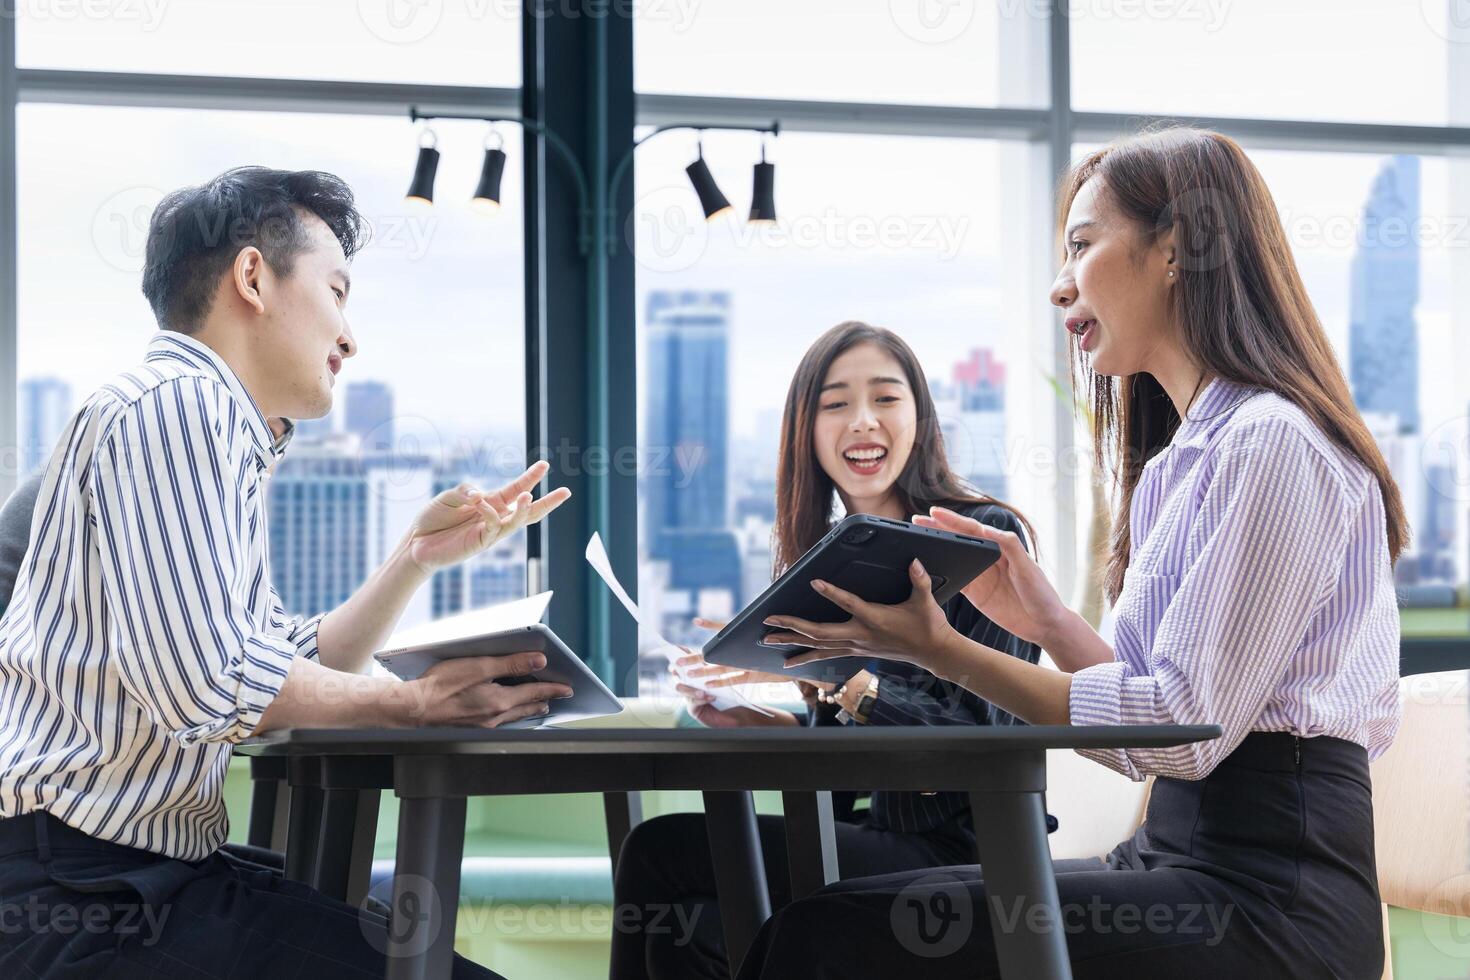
(645, 350)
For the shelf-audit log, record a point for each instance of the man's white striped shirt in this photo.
(144, 637)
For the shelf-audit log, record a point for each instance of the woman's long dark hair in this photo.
(806, 495)
(1239, 303)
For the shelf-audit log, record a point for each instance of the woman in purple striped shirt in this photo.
(1252, 588)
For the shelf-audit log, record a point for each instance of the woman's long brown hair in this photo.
(806, 495)
(1239, 304)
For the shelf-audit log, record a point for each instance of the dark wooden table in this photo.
(336, 774)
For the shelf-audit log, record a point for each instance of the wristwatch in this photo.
(865, 702)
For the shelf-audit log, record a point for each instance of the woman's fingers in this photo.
(694, 693)
(948, 520)
(811, 657)
(824, 631)
(798, 640)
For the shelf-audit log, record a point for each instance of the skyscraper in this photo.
(370, 414)
(686, 431)
(1383, 336)
(45, 408)
(686, 444)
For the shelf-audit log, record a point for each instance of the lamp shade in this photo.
(487, 192)
(710, 199)
(763, 195)
(422, 188)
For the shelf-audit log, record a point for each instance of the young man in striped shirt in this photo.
(144, 637)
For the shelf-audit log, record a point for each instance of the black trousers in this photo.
(666, 922)
(75, 906)
(1263, 869)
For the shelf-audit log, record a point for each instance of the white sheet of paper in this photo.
(491, 619)
(725, 697)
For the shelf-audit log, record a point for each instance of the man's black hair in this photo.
(196, 232)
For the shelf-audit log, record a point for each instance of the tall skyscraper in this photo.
(1383, 336)
(45, 408)
(686, 453)
(370, 414)
(686, 430)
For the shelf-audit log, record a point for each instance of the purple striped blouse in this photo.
(1259, 595)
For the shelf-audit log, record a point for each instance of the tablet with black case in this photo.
(590, 697)
(867, 556)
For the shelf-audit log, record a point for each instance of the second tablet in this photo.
(867, 556)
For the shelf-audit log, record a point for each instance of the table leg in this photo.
(811, 840)
(1020, 887)
(348, 825)
(302, 833)
(623, 812)
(425, 888)
(740, 871)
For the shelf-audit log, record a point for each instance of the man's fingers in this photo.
(694, 693)
(509, 695)
(520, 711)
(512, 664)
(549, 503)
(709, 624)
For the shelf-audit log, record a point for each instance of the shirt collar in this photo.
(1210, 409)
(170, 345)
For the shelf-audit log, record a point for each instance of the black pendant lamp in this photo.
(487, 192)
(763, 194)
(421, 191)
(711, 200)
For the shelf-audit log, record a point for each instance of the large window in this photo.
(1350, 60)
(1379, 240)
(972, 52)
(928, 237)
(436, 308)
(460, 42)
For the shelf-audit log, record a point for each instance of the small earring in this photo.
(1171, 273)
